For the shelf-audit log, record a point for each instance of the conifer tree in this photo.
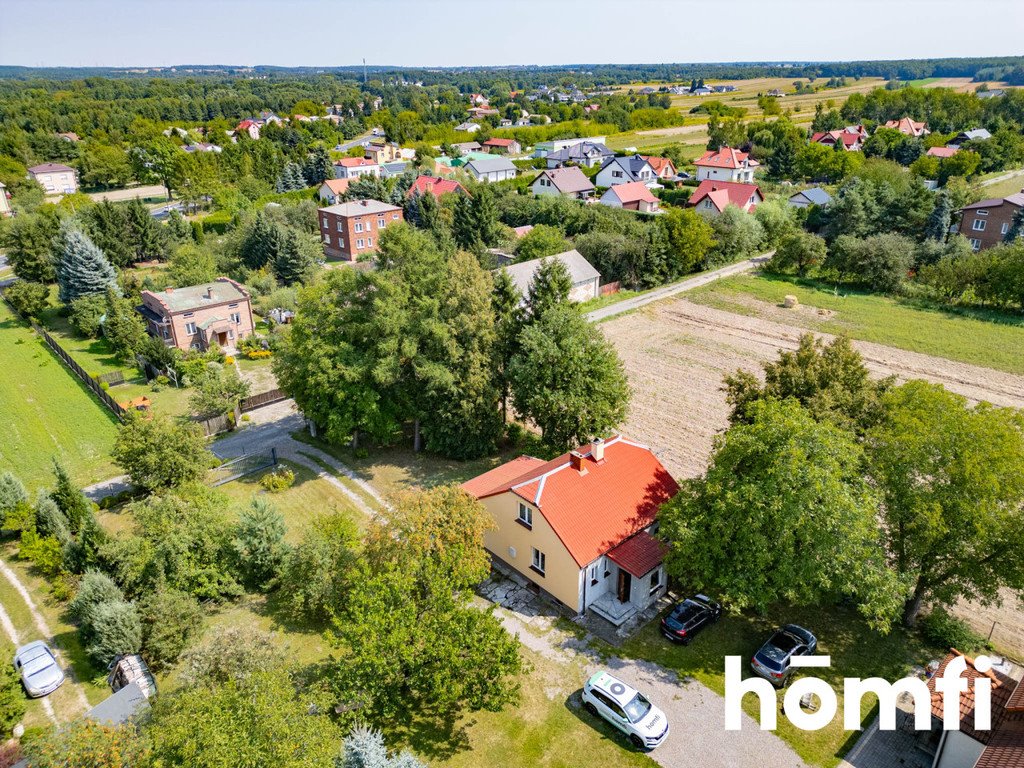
(318, 167)
(507, 305)
(465, 226)
(144, 232)
(294, 259)
(81, 267)
(550, 288)
(937, 226)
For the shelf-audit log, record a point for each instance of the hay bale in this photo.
(790, 302)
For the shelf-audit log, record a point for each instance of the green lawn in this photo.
(48, 412)
(856, 651)
(980, 337)
(1003, 188)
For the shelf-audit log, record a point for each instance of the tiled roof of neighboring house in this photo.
(723, 193)
(338, 186)
(848, 138)
(523, 230)
(70, 136)
(435, 186)
(1016, 701)
(580, 270)
(245, 125)
(354, 162)
(660, 163)
(725, 157)
(49, 168)
(568, 180)
(942, 152)
(361, 208)
(1017, 198)
(500, 142)
(634, 191)
(639, 554)
(222, 289)
(490, 165)
(481, 485)
(593, 510)
(816, 195)
(907, 126)
(1002, 687)
(579, 151)
(467, 146)
(978, 134)
(1006, 747)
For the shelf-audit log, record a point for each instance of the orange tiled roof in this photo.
(633, 192)
(726, 157)
(337, 186)
(659, 163)
(1006, 747)
(942, 151)
(434, 185)
(354, 162)
(640, 554)
(722, 193)
(1002, 688)
(593, 510)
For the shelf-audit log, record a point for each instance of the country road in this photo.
(1003, 177)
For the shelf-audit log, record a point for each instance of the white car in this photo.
(39, 670)
(625, 708)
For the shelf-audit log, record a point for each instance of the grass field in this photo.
(1003, 188)
(48, 412)
(856, 651)
(986, 338)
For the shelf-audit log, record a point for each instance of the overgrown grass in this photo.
(48, 412)
(977, 336)
(856, 651)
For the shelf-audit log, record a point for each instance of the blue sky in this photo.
(468, 32)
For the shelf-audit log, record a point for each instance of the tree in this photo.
(218, 390)
(259, 544)
(229, 654)
(542, 240)
(81, 267)
(95, 588)
(829, 380)
(296, 258)
(1016, 229)
(880, 261)
(549, 289)
(111, 628)
(318, 167)
(171, 621)
(939, 219)
(145, 233)
(737, 235)
(364, 748)
(690, 239)
(123, 327)
(28, 299)
(788, 494)
(507, 306)
(191, 264)
(316, 571)
(28, 240)
(12, 697)
(259, 244)
(69, 497)
(800, 250)
(367, 187)
(86, 742)
(464, 225)
(568, 379)
(951, 477)
(12, 494)
(159, 453)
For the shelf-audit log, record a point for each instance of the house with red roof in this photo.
(942, 152)
(712, 197)
(726, 164)
(663, 167)
(435, 186)
(581, 527)
(354, 167)
(502, 147)
(332, 191)
(908, 127)
(634, 196)
(250, 127)
(850, 140)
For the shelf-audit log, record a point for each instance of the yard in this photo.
(48, 412)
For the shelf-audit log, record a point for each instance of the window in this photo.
(394, 216)
(975, 244)
(369, 242)
(231, 334)
(525, 515)
(981, 212)
(655, 580)
(593, 574)
(1004, 229)
(340, 228)
(979, 225)
(188, 314)
(538, 561)
(190, 329)
(360, 243)
(381, 222)
(616, 174)
(708, 204)
(327, 239)
(359, 226)
(236, 317)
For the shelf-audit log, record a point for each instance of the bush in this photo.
(95, 588)
(229, 654)
(86, 313)
(12, 700)
(281, 479)
(259, 544)
(258, 354)
(44, 552)
(171, 621)
(112, 628)
(218, 222)
(945, 631)
(28, 299)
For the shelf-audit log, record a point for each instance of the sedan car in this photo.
(626, 709)
(690, 617)
(39, 670)
(772, 661)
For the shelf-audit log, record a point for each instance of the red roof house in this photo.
(726, 164)
(663, 167)
(713, 196)
(502, 146)
(435, 186)
(908, 127)
(580, 526)
(634, 196)
(942, 152)
(850, 140)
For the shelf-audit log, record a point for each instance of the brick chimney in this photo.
(597, 450)
(576, 461)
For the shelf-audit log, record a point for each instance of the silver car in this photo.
(39, 670)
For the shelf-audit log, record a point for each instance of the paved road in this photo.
(118, 195)
(357, 141)
(671, 290)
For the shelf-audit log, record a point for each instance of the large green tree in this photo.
(81, 267)
(160, 453)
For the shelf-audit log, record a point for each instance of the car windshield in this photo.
(685, 611)
(638, 708)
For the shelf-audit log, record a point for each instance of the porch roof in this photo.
(639, 554)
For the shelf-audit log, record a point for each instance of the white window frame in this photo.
(369, 242)
(525, 515)
(236, 318)
(652, 587)
(360, 243)
(1004, 229)
(190, 329)
(381, 222)
(981, 212)
(979, 225)
(326, 238)
(975, 244)
(538, 562)
(359, 226)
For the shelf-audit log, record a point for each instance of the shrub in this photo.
(86, 313)
(95, 588)
(171, 621)
(945, 631)
(229, 654)
(44, 552)
(258, 354)
(12, 700)
(113, 628)
(162, 380)
(29, 299)
(281, 479)
(259, 544)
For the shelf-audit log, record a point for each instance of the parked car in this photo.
(40, 673)
(772, 661)
(625, 708)
(690, 617)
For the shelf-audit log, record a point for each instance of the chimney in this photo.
(597, 449)
(209, 291)
(364, 203)
(576, 461)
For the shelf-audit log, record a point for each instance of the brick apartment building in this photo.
(199, 316)
(350, 230)
(986, 222)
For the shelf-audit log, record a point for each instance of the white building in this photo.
(542, 148)
(55, 178)
(491, 169)
(586, 280)
(727, 164)
(354, 167)
(625, 170)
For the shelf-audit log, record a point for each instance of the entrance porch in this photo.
(636, 579)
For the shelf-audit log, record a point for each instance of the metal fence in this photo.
(112, 379)
(263, 398)
(243, 465)
(80, 372)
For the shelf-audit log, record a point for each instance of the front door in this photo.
(624, 585)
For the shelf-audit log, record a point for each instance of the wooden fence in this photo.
(609, 288)
(253, 402)
(80, 372)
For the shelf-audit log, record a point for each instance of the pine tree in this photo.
(177, 226)
(1016, 227)
(486, 216)
(293, 260)
(123, 327)
(465, 227)
(937, 226)
(550, 288)
(507, 305)
(318, 167)
(108, 227)
(368, 187)
(68, 497)
(81, 267)
(402, 186)
(144, 232)
(364, 748)
(258, 243)
(296, 179)
(428, 213)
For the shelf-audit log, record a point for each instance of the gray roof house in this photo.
(623, 170)
(568, 182)
(121, 707)
(465, 147)
(587, 153)
(491, 169)
(808, 197)
(978, 134)
(585, 279)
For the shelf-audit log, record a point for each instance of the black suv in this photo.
(689, 617)
(772, 661)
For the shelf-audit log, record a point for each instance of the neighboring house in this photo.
(381, 153)
(1001, 745)
(70, 136)
(995, 93)
(586, 280)
(634, 196)
(350, 230)
(250, 127)
(624, 170)
(580, 527)
(545, 148)
(568, 182)
(808, 197)
(478, 112)
(55, 178)
(394, 168)
(712, 197)
(978, 134)
(478, 100)
(216, 314)
(5, 202)
(586, 153)
(491, 169)
(201, 146)
(468, 127)
(502, 146)
(467, 146)
(701, 90)
(849, 140)
(354, 167)
(726, 164)
(986, 222)
(663, 168)
(775, 93)
(909, 127)
(522, 231)
(435, 186)
(332, 190)
(942, 152)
